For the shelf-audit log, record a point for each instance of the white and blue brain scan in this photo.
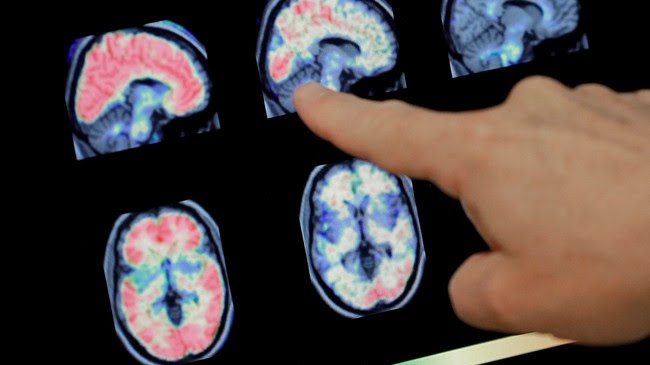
(362, 238)
(484, 35)
(346, 45)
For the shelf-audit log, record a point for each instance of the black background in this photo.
(250, 177)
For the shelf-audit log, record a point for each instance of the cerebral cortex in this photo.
(126, 85)
(489, 34)
(167, 284)
(334, 42)
(362, 237)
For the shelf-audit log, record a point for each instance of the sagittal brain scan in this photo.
(167, 284)
(488, 34)
(362, 237)
(136, 86)
(346, 45)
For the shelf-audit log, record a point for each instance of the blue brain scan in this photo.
(362, 238)
(346, 45)
(484, 35)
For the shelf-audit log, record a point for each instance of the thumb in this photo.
(493, 291)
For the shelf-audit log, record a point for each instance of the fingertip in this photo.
(644, 95)
(307, 94)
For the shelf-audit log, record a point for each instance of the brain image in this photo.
(489, 34)
(136, 86)
(167, 284)
(335, 42)
(362, 238)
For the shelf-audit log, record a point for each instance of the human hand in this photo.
(557, 182)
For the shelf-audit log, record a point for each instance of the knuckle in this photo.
(594, 89)
(535, 98)
(535, 85)
(644, 95)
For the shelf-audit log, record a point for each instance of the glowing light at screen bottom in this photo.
(500, 349)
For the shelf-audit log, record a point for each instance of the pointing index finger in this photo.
(399, 137)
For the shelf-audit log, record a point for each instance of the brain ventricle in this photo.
(171, 293)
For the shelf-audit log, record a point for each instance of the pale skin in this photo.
(557, 182)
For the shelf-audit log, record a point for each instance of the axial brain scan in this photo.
(167, 284)
(488, 34)
(136, 86)
(335, 42)
(362, 238)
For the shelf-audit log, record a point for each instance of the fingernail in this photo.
(310, 92)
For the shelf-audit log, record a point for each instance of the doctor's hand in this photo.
(557, 182)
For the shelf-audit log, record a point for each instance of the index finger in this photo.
(398, 137)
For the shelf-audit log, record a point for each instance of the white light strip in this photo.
(492, 350)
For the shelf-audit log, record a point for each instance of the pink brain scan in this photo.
(362, 238)
(137, 86)
(346, 45)
(167, 284)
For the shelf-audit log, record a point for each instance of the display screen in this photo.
(208, 224)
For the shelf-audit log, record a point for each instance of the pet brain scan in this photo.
(136, 86)
(488, 34)
(335, 42)
(167, 284)
(362, 238)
